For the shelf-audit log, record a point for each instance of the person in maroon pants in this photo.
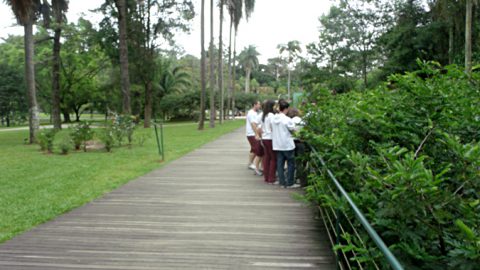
(269, 158)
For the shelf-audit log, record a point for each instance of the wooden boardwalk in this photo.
(205, 210)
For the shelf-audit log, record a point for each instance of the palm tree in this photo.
(26, 13)
(172, 79)
(293, 48)
(220, 63)
(59, 7)
(212, 70)
(248, 59)
(125, 80)
(202, 67)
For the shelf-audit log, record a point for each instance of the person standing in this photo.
(283, 145)
(300, 148)
(269, 158)
(253, 138)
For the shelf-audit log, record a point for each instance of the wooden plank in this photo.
(205, 210)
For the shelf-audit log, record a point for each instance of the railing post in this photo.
(161, 136)
(337, 233)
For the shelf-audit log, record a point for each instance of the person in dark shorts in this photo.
(253, 137)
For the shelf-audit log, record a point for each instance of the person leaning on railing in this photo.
(300, 148)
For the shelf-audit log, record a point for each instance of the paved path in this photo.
(205, 210)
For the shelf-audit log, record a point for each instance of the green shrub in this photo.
(408, 152)
(45, 139)
(65, 145)
(80, 134)
(107, 137)
(122, 128)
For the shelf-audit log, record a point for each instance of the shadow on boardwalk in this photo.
(205, 210)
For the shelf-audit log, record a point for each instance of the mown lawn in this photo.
(36, 187)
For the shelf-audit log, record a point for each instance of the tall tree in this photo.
(220, 64)
(59, 7)
(26, 12)
(124, 74)
(468, 36)
(201, 123)
(292, 48)
(212, 70)
(249, 61)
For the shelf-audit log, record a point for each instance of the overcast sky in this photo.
(272, 22)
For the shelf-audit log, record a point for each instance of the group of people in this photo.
(271, 129)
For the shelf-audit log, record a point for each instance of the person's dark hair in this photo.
(267, 108)
(255, 102)
(282, 105)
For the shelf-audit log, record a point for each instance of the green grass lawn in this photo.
(36, 187)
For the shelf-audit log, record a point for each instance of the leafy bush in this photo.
(80, 134)
(45, 139)
(65, 145)
(408, 152)
(107, 137)
(122, 128)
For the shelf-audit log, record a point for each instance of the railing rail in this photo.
(160, 145)
(392, 260)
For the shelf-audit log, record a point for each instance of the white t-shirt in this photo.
(252, 117)
(282, 126)
(299, 124)
(267, 126)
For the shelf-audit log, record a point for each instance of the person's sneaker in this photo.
(294, 186)
(252, 166)
(275, 183)
(257, 172)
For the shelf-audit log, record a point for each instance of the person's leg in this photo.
(266, 162)
(270, 166)
(258, 149)
(290, 156)
(251, 156)
(280, 169)
(299, 163)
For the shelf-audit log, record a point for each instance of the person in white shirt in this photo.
(269, 157)
(253, 137)
(283, 144)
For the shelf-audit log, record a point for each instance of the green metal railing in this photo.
(335, 221)
(160, 145)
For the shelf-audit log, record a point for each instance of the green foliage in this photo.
(81, 133)
(65, 145)
(107, 137)
(408, 152)
(122, 128)
(46, 138)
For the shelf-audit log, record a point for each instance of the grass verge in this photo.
(36, 187)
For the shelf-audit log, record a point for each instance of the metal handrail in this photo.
(392, 260)
(160, 145)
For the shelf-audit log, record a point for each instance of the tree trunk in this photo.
(202, 68)
(364, 69)
(468, 38)
(148, 105)
(247, 80)
(450, 42)
(66, 117)
(7, 120)
(234, 69)
(230, 90)
(125, 80)
(33, 119)
(77, 114)
(288, 83)
(212, 71)
(220, 65)
(57, 121)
